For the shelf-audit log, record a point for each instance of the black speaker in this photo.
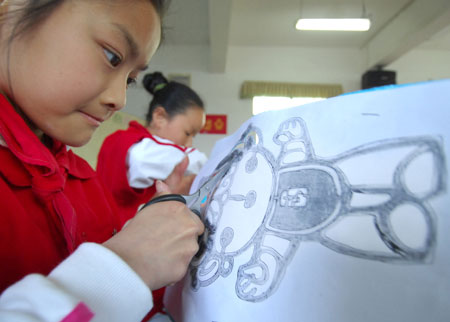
(375, 78)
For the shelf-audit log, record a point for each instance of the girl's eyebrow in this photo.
(134, 48)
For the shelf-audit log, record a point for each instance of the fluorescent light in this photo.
(333, 24)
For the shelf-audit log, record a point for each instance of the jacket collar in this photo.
(33, 154)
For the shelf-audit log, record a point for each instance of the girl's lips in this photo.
(92, 119)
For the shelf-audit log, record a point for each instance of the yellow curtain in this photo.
(250, 89)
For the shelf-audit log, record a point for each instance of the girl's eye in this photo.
(113, 59)
(131, 81)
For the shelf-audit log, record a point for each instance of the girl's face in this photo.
(181, 128)
(70, 73)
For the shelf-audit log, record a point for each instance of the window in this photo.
(275, 95)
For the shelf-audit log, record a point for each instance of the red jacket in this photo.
(50, 202)
(112, 169)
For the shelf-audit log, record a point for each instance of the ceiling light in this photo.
(333, 24)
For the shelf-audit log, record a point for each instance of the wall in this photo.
(422, 65)
(310, 65)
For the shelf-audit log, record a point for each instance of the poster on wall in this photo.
(215, 124)
(333, 211)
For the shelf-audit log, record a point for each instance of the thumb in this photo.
(162, 188)
(181, 167)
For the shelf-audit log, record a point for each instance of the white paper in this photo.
(333, 211)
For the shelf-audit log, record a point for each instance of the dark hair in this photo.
(35, 11)
(174, 97)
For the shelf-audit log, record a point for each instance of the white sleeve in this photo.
(148, 161)
(93, 281)
(196, 161)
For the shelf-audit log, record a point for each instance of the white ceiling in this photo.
(397, 25)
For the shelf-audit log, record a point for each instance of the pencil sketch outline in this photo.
(290, 216)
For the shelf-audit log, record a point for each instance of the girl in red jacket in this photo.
(64, 69)
(130, 161)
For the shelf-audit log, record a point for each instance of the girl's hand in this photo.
(185, 184)
(177, 181)
(159, 242)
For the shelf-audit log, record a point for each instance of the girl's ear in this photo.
(159, 117)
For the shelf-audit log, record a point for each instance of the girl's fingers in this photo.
(162, 188)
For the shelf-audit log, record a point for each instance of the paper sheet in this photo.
(333, 211)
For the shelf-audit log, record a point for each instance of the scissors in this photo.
(198, 202)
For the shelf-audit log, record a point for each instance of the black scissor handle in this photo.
(168, 197)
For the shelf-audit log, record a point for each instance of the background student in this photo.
(131, 160)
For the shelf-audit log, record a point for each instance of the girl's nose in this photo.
(115, 96)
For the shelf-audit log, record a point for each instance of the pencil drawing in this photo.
(300, 197)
